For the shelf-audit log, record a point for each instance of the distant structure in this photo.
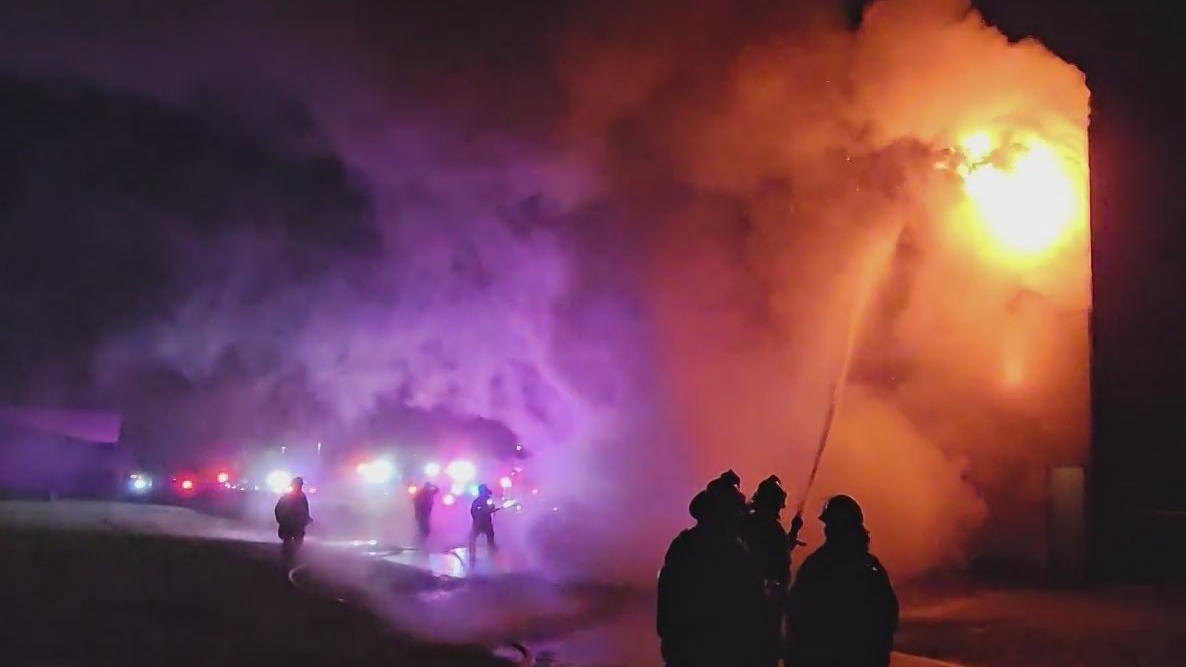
(49, 452)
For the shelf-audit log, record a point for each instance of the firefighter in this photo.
(771, 549)
(292, 518)
(764, 533)
(842, 609)
(481, 513)
(422, 504)
(711, 608)
(727, 488)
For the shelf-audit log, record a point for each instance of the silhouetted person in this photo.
(770, 547)
(481, 513)
(292, 516)
(841, 610)
(711, 611)
(422, 504)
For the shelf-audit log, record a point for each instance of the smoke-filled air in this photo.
(647, 237)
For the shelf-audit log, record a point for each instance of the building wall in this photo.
(41, 453)
(984, 343)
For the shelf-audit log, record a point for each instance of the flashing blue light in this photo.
(139, 483)
(473, 490)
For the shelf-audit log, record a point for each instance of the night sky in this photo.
(130, 181)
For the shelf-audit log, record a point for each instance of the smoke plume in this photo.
(635, 233)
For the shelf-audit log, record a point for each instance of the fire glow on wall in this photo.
(991, 326)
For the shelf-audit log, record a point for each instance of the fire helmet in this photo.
(484, 490)
(770, 493)
(725, 493)
(729, 478)
(298, 482)
(842, 509)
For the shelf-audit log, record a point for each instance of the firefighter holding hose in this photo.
(481, 513)
(771, 548)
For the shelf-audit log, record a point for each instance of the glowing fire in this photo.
(1023, 194)
(1014, 373)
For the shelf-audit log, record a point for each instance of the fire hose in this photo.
(829, 421)
(856, 319)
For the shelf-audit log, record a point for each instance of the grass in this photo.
(78, 598)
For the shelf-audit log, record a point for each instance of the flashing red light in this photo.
(223, 478)
(187, 484)
(448, 499)
(412, 490)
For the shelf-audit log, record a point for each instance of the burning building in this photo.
(970, 301)
(903, 205)
(977, 331)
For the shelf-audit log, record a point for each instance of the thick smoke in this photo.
(634, 235)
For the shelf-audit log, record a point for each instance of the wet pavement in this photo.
(439, 597)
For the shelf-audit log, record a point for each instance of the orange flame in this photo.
(1024, 195)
